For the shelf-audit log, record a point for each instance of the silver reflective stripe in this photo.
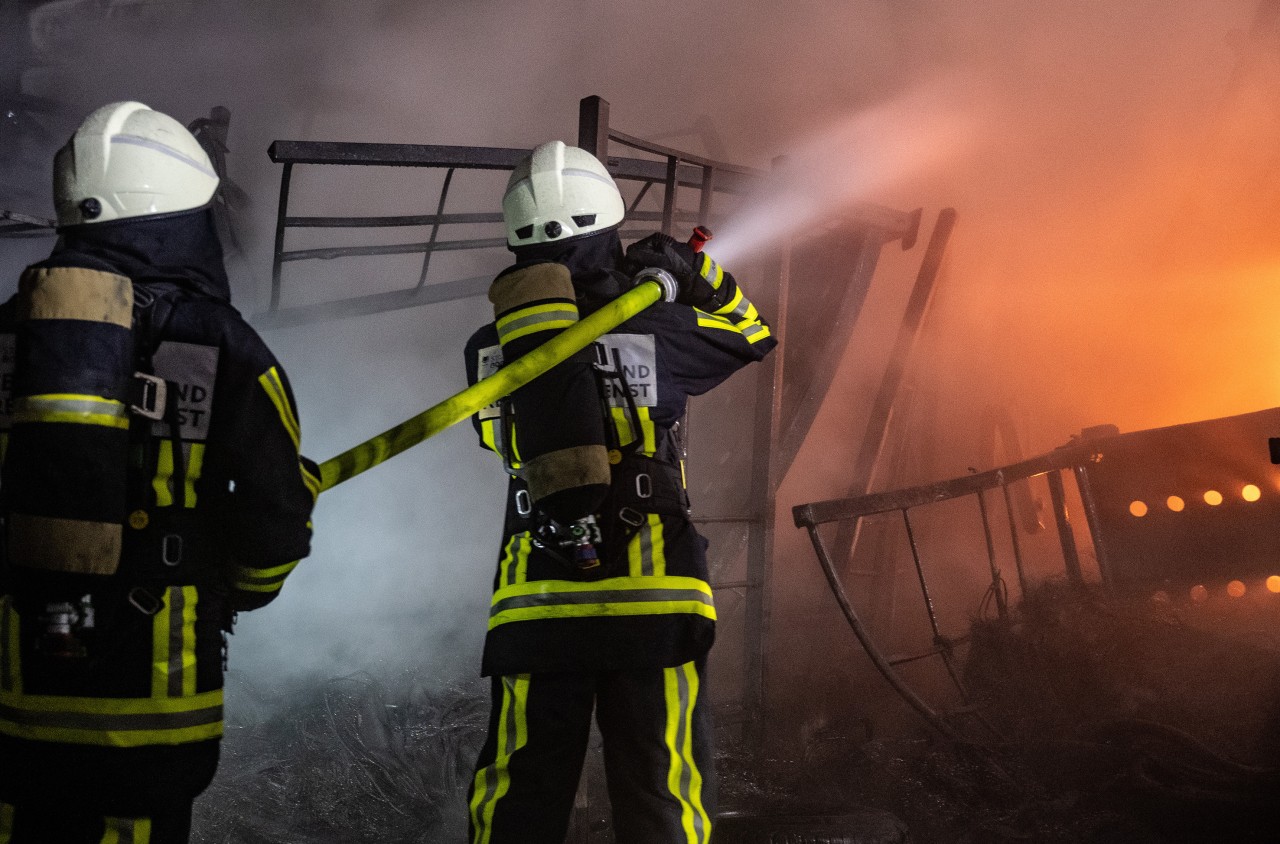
(646, 548)
(163, 149)
(33, 408)
(752, 330)
(568, 313)
(177, 603)
(744, 307)
(607, 596)
(108, 722)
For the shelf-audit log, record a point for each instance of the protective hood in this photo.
(594, 262)
(182, 249)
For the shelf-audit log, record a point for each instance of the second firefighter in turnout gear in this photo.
(601, 601)
(152, 486)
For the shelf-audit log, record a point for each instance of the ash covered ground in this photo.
(1119, 721)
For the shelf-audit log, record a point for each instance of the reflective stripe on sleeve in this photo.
(73, 408)
(711, 271)
(274, 386)
(618, 596)
(250, 579)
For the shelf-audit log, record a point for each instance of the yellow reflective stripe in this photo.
(274, 387)
(112, 722)
(249, 579)
(314, 483)
(648, 431)
(645, 556)
(164, 472)
(618, 596)
(6, 823)
(71, 407)
(544, 317)
(493, 781)
(10, 652)
(684, 780)
(622, 421)
(514, 566)
(488, 434)
(194, 453)
(126, 831)
(706, 320)
(173, 644)
(733, 303)
(711, 271)
(755, 333)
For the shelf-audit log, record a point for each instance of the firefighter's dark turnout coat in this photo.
(627, 639)
(136, 722)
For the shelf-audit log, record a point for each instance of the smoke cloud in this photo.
(1112, 263)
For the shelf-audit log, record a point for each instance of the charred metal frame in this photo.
(844, 510)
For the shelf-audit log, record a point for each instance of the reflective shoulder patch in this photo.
(76, 293)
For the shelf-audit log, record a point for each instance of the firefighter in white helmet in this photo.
(601, 600)
(151, 487)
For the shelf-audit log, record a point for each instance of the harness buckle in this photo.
(171, 549)
(631, 517)
(144, 602)
(644, 485)
(151, 394)
(524, 504)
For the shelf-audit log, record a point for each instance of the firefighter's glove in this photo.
(695, 274)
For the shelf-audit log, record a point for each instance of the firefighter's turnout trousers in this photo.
(657, 755)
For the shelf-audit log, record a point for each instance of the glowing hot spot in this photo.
(1175, 503)
(1213, 498)
(1138, 508)
(1250, 493)
(1236, 589)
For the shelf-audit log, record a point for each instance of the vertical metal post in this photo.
(669, 199)
(593, 126)
(282, 209)
(764, 483)
(1095, 525)
(708, 188)
(435, 228)
(882, 408)
(1070, 556)
(1013, 535)
(997, 581)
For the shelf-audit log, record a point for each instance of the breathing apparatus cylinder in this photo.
(561, 447)
(65, 472)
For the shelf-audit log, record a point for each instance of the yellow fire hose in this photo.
(510, 377)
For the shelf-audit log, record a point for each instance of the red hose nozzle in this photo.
(699, 238)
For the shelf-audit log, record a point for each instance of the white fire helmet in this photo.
(127, 160)
(557, 193)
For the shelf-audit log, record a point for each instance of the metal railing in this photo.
(845, 510)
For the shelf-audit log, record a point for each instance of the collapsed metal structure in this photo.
(1166, 510)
